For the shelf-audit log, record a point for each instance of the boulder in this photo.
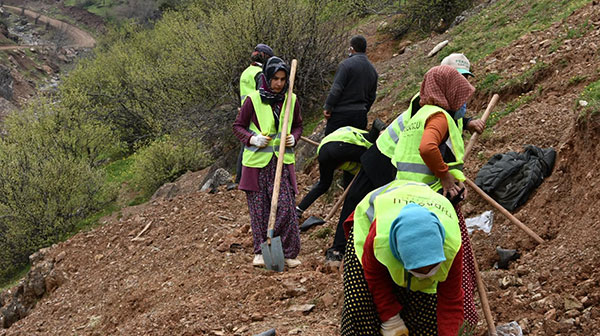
(6, 83)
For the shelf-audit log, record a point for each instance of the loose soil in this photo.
(192, 274)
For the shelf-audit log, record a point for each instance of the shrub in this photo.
(165, 159)
(48, 181)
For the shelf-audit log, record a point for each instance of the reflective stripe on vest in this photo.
(259, 157)
(349, 135)
(386, 142)
(408, 160)
(386, 205)
(248, 82)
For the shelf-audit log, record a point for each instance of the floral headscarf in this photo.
(445, 87)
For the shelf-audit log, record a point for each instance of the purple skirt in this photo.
(259, 207)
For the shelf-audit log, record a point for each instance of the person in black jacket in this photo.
(353, 90)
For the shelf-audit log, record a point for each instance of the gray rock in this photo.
(6, 83)
(220, 177)
(167, 191)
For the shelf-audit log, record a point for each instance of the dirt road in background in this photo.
(80, 38)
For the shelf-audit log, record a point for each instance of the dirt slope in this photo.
(191, 275)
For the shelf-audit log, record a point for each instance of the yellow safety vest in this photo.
(259, 157)
(247, 82)
(350, 135)
(384, 205)
(386, 142)
(407, 158)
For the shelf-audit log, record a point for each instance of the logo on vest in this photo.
(426, 204)
(413, 126)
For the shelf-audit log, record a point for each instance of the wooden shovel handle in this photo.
(505, 212)
(475, 135)
(310, 141)
(485, 304)
(279, 169)
(339, 202)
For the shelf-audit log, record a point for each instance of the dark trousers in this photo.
(331, 156)
(356, 119)
(376, 171)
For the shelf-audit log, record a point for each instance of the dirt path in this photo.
(19, 47)
(82, 39)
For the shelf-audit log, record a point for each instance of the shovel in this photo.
(271, 249)
(314, 220)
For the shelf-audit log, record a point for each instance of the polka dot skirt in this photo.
(359, 315)
(469, 282)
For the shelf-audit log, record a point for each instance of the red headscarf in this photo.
(445, 87)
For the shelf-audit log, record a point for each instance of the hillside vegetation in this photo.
(167, 93)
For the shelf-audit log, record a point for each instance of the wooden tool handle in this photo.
(310, 141)
(485, 304)
(475, 135)
(340, 200)
(279, 169)
(504, 211)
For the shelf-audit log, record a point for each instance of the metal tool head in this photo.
(310, 222)
(273, 254)
(270, 332)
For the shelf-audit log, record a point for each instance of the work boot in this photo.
(333, 255)
(258, 260)
(291, 263)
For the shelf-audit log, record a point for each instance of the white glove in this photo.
(260, 140)
(290, 141)
(394, 327)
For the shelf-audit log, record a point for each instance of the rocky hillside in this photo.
(181, 264)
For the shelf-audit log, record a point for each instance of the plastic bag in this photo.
(509, 329)
(482, 222)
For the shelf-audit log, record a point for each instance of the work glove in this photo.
(290, 140)
(394, 327)
(259, 140)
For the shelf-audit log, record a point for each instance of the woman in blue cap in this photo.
(403, 264)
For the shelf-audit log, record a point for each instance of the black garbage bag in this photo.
(511, 177)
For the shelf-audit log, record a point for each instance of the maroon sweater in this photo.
(450, 314)
(249, 180)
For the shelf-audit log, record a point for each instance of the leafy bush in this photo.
(164, 160)
(48, 181)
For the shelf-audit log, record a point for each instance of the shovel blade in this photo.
(273, 254)
(310, 222)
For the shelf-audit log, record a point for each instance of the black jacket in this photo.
(511, 177)
(354, 86)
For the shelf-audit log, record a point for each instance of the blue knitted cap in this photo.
(417, 237)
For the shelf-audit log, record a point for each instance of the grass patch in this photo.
(577, 79)
(310, 123)
(512, 106)
(322, 233)
(12, 281)
(489, 83)
(591, 95)
(120, 171)
(504, 22)
(571, 33)
(524, 82)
